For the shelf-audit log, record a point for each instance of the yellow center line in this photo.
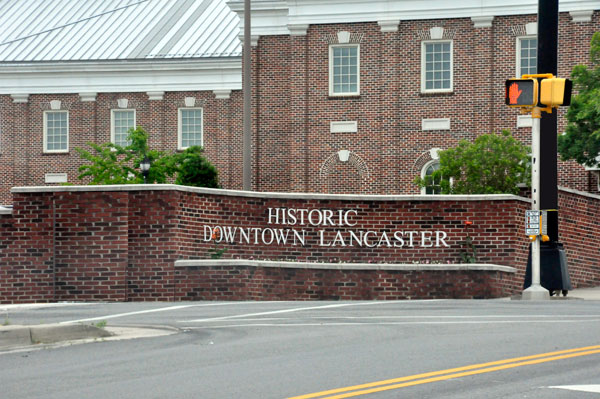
(424, 378)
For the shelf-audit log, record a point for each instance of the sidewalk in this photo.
(21, 336)
(591, 294)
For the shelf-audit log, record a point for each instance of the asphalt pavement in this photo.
(19, 336)
(285, 349)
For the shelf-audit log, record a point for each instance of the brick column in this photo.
(482, 76)
(6, 149)
(21, 144)
(91, 245)
(389, 145)
(156, 120)
(298, 157)
(26, 257)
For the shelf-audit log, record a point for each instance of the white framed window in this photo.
(344, 69)
(56, 131)
(190, 128)
(526, 55)
(121, 120)
(428, 169)
(436, 66)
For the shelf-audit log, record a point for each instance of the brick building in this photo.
(348, 97)
(73, 72)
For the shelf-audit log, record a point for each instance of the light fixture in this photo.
(145, 168)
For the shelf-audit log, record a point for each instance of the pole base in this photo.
(535, 293)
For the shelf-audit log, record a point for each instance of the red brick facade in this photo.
(293, 147)
(95, 244)
(24, 163)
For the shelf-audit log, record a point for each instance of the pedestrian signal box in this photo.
(555, 92)
(521, 92)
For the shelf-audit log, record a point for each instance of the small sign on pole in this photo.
(536, 223)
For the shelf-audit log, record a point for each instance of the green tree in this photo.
(492, 164)
(110, 164)
(193, 169)
(114, 164)
(581, 141)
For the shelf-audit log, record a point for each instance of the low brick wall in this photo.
(264, 280)
(579, 231)
(122, 243)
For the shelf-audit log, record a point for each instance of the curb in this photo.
(18, 336)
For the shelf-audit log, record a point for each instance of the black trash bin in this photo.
(554, 272)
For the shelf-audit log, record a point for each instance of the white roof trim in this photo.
(115, 76)
(272, 17)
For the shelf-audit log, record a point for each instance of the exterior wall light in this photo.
(145, 168)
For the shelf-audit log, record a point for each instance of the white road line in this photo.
(290, 310)
(580, 388)
(169, 308)
(390, 323)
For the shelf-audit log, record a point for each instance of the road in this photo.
(399, 349)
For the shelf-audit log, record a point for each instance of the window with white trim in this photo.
(190, 127)
(433, 187)
(526, 55)
(344, 69)
(56, 131)
(121, 120)
(436, 66)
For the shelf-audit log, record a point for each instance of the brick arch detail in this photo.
(351, 176)
(353, 159)
(421, 161)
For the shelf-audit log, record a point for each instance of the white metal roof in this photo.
(85, 30)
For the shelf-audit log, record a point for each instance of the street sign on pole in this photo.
(536, 223)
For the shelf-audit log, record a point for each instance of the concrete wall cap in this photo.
(578, 192)
(346, 266)
(275, 195)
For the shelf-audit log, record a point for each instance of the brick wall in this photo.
(295, 150)
(24, 163)
(579, 231)
(241, 282)
(26, 251)
(91, 243)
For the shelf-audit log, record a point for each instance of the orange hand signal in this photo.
(514, 93)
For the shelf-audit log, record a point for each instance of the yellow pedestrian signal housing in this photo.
(555, 92)
(521, 92)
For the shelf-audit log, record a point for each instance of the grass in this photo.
(101, 324)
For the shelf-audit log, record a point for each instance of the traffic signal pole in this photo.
(547, 273)
(547, 62)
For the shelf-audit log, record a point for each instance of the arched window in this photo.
(434, 186)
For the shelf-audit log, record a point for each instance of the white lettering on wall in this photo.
(290, 231)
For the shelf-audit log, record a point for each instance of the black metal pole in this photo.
(547, 62)
(553, 261)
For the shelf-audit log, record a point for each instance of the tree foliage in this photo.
(492, 164)
(114, 164)
(581, 141)
(194, 169)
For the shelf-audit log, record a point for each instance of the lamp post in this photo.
(145, 168)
